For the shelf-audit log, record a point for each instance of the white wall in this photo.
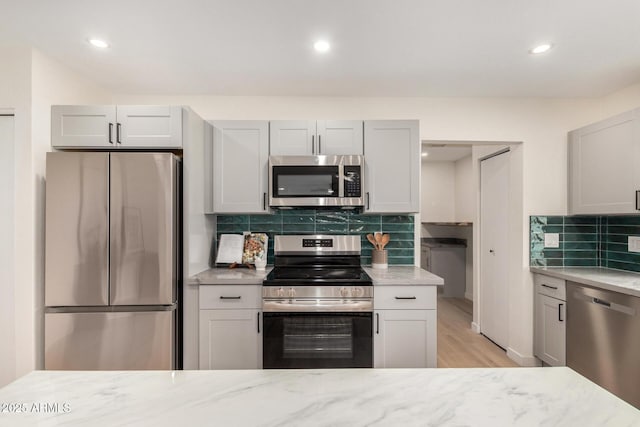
(464, 195)
(437, 192)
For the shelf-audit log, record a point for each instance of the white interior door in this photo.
(7, 226)
(494, 247)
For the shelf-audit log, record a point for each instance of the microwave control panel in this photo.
(352, 181)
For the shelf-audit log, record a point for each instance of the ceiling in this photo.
(447, 153)
(379, 47)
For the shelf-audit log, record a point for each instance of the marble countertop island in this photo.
(625, 282)
(350, 397)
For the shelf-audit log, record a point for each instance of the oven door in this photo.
(317, 340)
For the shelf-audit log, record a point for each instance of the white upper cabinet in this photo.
(110, 126)
(604, 166)
(392, 166)
(324, 137)
(292, 138)
(149, 126)
(340, 137)
(238, 167)
(87, 126)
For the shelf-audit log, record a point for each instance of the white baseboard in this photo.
(528, 361)
(469, 296)
(475, 327)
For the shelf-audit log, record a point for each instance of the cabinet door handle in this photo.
(118, 130)
(313, 143)
(319, 144)
(406, 298)
(550, 287)
(110, 133)
(264, 201)
(560, 319)
(367, 200)
(638, 200)
(258, 322)
(222, 297)
(377, 323)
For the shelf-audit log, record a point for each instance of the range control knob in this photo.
(291, 293)
(357, 292)
(344, 292)
(280, 292)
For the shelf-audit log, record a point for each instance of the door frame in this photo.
(8, 369)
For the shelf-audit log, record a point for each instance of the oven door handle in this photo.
(313, 305)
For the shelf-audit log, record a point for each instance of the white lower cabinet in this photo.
(230, 327)
(404, 330)
(550, 320)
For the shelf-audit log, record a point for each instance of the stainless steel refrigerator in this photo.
(111, 261)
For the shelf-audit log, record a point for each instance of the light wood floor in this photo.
(458, 345)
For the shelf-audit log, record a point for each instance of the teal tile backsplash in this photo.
(587, 241)
(326, 221)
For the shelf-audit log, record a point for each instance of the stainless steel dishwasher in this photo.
(603, 339)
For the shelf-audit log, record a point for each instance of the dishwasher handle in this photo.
(629, 311)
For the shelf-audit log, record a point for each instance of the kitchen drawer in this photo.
(404, 297)
(230, 296)
(550, 286)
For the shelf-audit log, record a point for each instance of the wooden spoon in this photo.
(378, 237)
(385, 240)
(371, 240)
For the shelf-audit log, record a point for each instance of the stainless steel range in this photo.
(317, 304)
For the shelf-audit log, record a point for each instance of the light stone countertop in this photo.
(340, 397)
(229, 276)
(625, 282)
(394, 275)
(403, 275)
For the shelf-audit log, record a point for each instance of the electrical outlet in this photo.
(551, 240)
(634, 244)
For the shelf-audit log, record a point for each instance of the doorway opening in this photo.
(451, 244)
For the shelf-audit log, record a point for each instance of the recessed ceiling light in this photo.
(321, 46)
(425, 154)
(542, 48)
(98, 43)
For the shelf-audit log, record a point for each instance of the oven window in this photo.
(317, 340)
(317, 337)
(310, 181)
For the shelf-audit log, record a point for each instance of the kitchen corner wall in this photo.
(585, 241)
(325, 221)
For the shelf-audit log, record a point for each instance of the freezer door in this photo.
(109, 340)
(143, 230)
(76, 229)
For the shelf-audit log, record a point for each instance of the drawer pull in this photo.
(230, 297)
(406, 298)
(550, 287)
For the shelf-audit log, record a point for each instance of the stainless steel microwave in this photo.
(316, 181)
